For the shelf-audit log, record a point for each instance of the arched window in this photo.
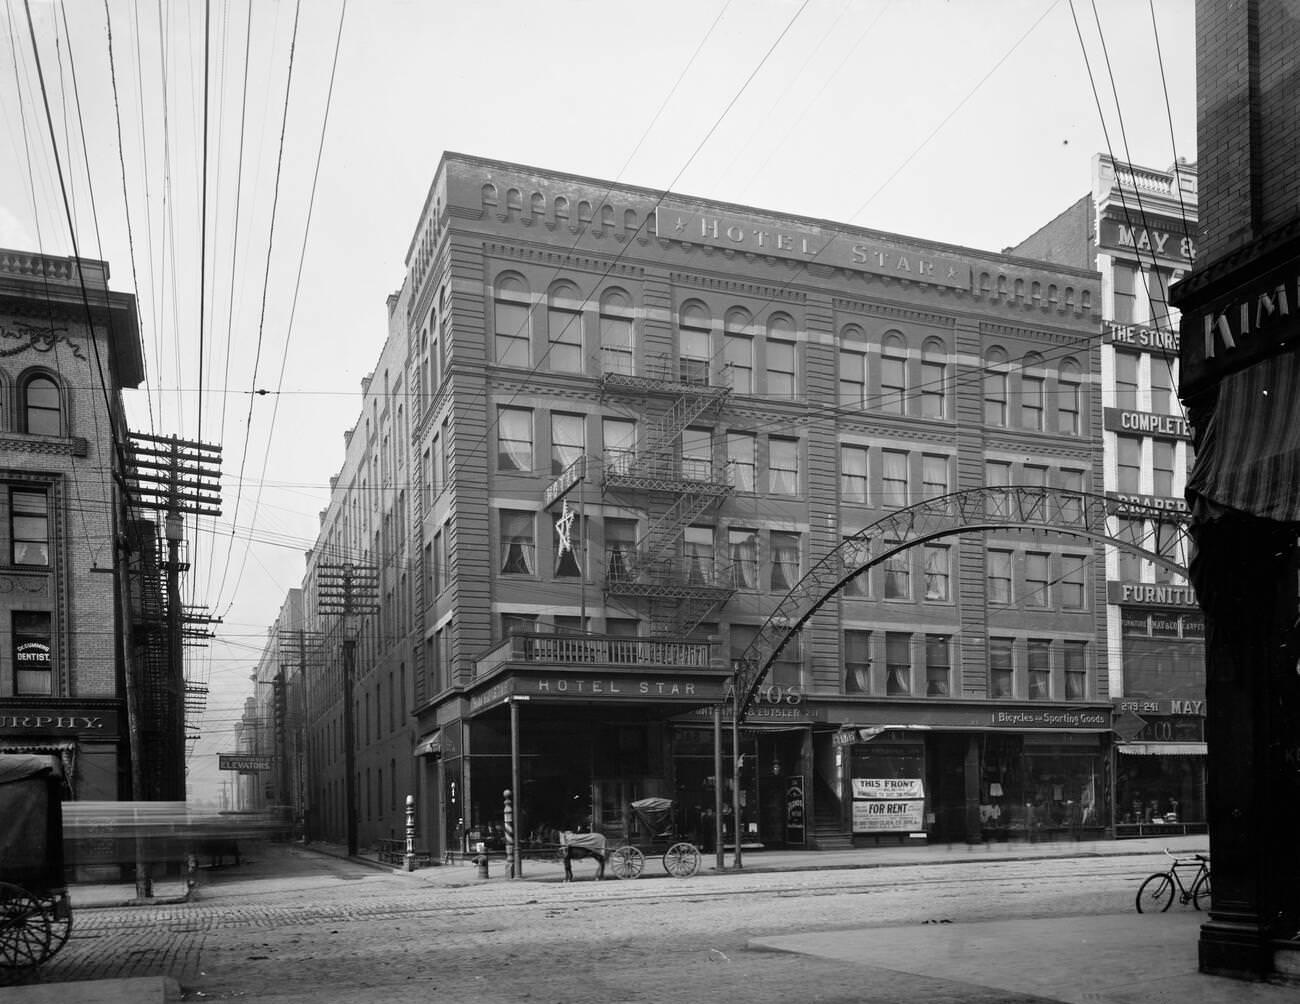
(1070, 398)
(934, 379)
(511, 319)
(780, 356)
(738, 350)
(616, 332)
(1033, 393)
(995, 387)
(693, 352)
(853, 368)
(564, 328)
(42, 407)
(893, 374)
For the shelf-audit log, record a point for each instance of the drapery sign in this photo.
(888, 804)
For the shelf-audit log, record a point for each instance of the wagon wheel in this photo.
(627, 862)
(682, 860)
(59, 912)
(24, 928)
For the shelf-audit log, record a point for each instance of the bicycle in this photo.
(1158, 890)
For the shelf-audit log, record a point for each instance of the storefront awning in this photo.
(1162, 749)
(429, 744)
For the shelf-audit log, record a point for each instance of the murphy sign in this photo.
(1254, 321)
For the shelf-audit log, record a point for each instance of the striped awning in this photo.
(1162, 749)
(1249, 456)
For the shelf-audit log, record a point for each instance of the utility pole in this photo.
(349, 590)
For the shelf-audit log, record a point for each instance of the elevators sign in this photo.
(245, 763)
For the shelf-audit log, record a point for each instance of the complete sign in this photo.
(245, 761)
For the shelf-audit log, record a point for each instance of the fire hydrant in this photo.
(481, 860)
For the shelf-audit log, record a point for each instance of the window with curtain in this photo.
(853, 473)
(698, 548)
(1069, 398)
(1071, 506)
(893, 375)
(738, 351)
(856, 553)
(569, 562)
(934, 476)
(616, 332)
(898, 573)
(518, 543)
(742, 546)
(1033, 401)
(785, 561)
(1037, 579)
(693, 345)
(568, 440)
(787, 666)
(999, 576)
(898, 663)
(938, 665)
(33, 653)
(510, 320)
(995, 388)
(857, 662)
(782, 466)
(1076, 670)
(894, 479)
(934, 381)
(853, 378)
(620, 549)
(1040, 669)
(29, 526)
(997, 474)
(741, 637)
(938, 572)
(742, 449)
(1001, 668)
(697, 454)
(618, 445)
(564, 329)
(514, 439)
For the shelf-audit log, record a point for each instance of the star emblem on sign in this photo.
(564, 528)
(681, 225)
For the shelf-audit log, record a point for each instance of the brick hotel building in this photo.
(609, 429)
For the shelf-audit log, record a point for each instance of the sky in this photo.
(253, 170)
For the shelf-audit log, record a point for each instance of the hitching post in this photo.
(509, 813)
(410, 833)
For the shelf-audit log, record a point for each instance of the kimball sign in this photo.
(1256, 320)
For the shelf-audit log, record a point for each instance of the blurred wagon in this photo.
(35, 914)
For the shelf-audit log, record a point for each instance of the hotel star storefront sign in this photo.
(811, 244)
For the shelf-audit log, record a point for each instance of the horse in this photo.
(583, 845)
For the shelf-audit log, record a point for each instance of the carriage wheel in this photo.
(627, 862)
(682, 860)
(24, 928)
(59, 912)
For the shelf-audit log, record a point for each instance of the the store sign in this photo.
(1146, 423)
(888, 787)
(879, 816)
(47, 720)
(1136, 622)
(598, 687)
(1120, 504)
(1150, 594)
(246, 762)
(1257, 319)
(1048, 718)
(741, 233)
(1139, 336)
(1161, 706)
(1148, 240)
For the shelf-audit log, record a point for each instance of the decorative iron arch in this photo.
(975, 510)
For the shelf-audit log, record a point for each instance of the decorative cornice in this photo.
(1246, 262)
(892, 311)
(737, 286)
(57, 446)
(1084, 340)
(560, 259)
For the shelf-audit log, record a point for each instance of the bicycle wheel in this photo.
(626, 862)
(1201, 898)
(1156, 894)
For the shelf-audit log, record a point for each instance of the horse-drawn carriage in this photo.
(35, 915)
(654, 821)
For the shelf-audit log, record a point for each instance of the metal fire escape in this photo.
(676, 492)
(158, 707)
